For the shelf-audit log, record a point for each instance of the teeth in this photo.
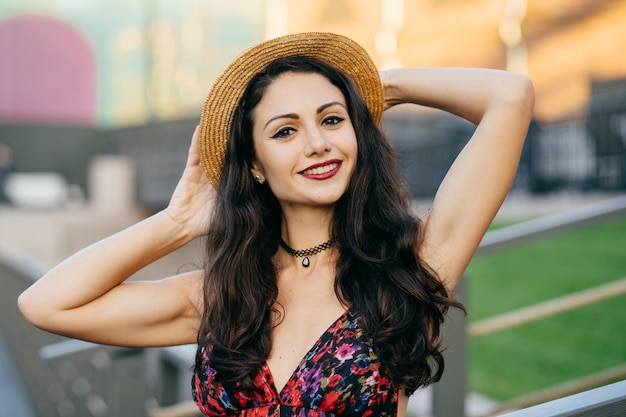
(320, 170)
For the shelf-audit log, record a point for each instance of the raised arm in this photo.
(500, 104)
(85, 296)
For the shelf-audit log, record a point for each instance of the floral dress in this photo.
(339, 376)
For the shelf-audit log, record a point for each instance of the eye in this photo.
(283, 133)
(332, 120)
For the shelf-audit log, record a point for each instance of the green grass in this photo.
(537, 355)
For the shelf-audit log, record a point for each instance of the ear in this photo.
(257, 173)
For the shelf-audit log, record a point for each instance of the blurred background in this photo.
(98, 101)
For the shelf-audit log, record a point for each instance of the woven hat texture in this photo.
(223, 98)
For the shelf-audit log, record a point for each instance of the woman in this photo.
(288, 155)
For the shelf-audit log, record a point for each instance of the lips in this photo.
(322, 171)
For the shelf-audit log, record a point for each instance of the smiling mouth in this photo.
(321, 169)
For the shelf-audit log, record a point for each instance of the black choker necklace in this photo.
(306, 252)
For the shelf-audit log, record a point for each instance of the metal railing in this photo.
(544, 310)
(527, 232)
(607, 401)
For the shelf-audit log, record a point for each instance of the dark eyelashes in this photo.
(287, 131)
(283, 133)
(333, 120)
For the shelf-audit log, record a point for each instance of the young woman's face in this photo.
(304, 140)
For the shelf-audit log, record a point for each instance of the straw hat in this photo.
(224, 96)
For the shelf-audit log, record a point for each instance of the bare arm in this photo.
(86, 297)
(500, 104)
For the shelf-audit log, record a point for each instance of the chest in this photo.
(305, 308)
(339, 374)
(299, 330)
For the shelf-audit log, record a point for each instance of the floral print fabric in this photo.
(339, 376)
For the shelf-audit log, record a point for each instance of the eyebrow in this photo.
(296, 117)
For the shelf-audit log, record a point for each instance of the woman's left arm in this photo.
(500, 104)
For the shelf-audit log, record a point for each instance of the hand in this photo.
(191, 204)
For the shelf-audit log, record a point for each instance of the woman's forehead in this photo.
(293, 90)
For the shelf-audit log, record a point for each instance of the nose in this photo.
(316, 143)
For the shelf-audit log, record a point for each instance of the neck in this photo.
(306, 227)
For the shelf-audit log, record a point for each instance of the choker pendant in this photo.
(305, 253)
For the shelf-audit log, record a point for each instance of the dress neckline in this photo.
(321, 341)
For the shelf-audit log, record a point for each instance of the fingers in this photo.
(193, 157)
(194, 137)
(387, 104)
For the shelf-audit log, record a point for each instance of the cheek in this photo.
(353, 150)
(274, 164)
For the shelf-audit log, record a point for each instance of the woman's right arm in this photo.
(86, 296)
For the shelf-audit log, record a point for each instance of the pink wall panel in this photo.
(46, 72)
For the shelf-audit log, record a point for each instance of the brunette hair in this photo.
(400, 302)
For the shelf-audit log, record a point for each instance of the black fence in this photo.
(582, 153)
(585, 152)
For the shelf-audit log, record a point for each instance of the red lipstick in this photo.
(322, 171)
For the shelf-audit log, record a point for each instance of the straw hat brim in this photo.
(223, 98)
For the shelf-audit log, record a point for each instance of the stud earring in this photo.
(258, 179)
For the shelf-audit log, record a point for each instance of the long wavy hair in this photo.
(400, 301)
